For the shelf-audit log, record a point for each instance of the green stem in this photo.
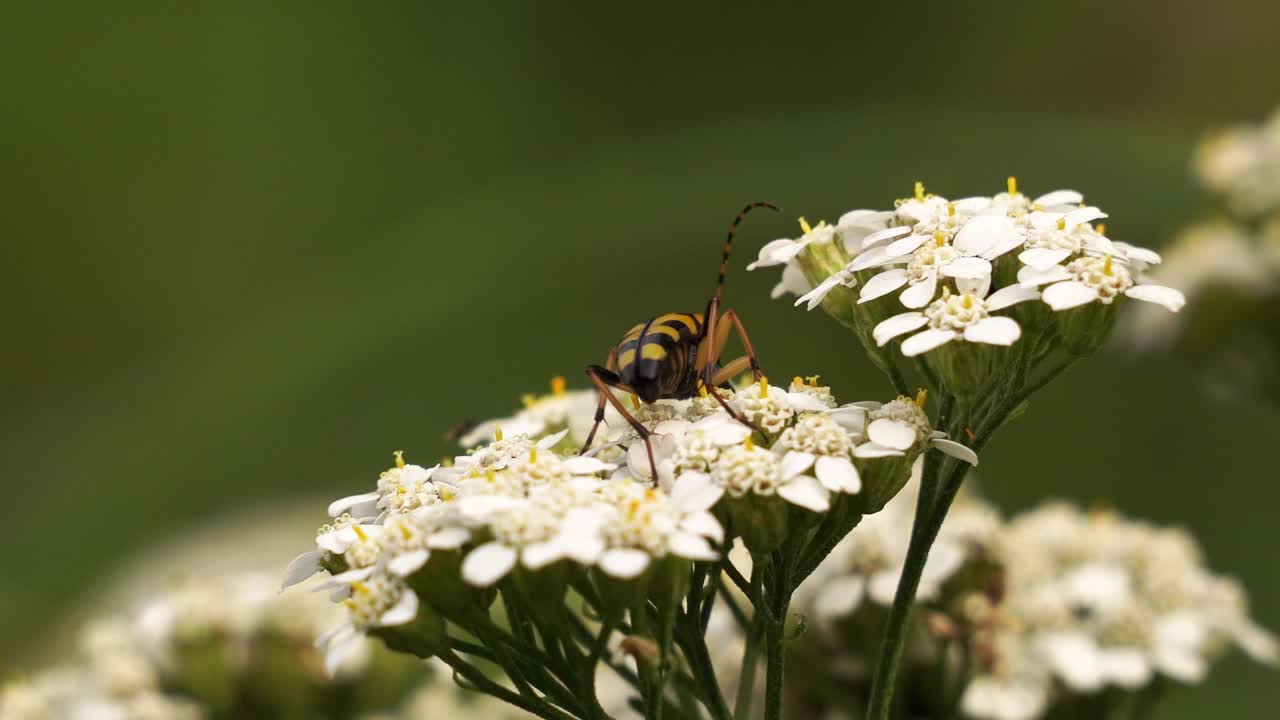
(747, 673)
(481, 683)
(922, 535)
(778, 591)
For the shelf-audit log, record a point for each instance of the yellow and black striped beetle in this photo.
(675, 356)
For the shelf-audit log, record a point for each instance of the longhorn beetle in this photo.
(675, 356)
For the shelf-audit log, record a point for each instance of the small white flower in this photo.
(1092, 279)
(784, 250)
(957, 317)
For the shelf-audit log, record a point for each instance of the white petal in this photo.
(1084, 215)
(582, 465)
(773, 253)
(983, 232)
(850, 417)
(873, 219)
(488, 564)
(1181, 664)
(875, 450)
(1012, 295)
(551, 440)
(894, 434)
(337, 541)
(925, 341)
(806, 492)
(1043, 258)
(814, 297)
(955, 450)
(967, 267)
(886, 234)
(1142, 255)
(883, 586)
(337, 507)
(1030, 277)
(691, 546)
(793, 281)
(449, 538)
(994, 331)
(882, 284)
(897, 325)
(1073, 657)
(1171, 299)
(404, 611)
(919, 294)
(540, 555)
(1069, 294)
(795, 463)
(804, 402)
(342, 648)
(704, 524)
(1126, 667)
(625, 563)
(1059, 197)
(976, 287)
(694, 491)
(839, 597)
(906, 245)
(406, 564)
(874, 257)
(301, 568)
(838, 474)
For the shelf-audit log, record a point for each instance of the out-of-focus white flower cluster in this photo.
(200, 650)
(1053, 604)
(528, 503)
(1230, 264)
(1242, 165)
(963, 264)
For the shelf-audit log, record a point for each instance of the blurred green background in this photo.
(252, 248)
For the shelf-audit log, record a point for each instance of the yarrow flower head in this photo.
(965, 272)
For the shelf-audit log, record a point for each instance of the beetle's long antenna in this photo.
(728, 241)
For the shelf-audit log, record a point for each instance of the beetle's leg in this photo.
(729, 321)
(730, 371)
(604, 379)
(612, 379)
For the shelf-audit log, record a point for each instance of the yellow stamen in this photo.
(632, 508)
(919, 191)
(445, 493)
(635, 401)
(349, 603)
(497, 434)
(702, 389)
(399, 458)
(748, 444)
(528, 400)
(797, 380)
(557, 385)
(764, 386)
(405, 533)
(446, 462)
(813, 381)
(1102, 228)
(921, 397)
(1106, 267)
(940, 238)
(1062, 223)
(402, 490)
(533, 454)
(946, 292)
(650, 495)
(951, 209)
(359, 531)
(360, 588)
(804, 225)
(488, 475)
(968, 301)
(1012, 184)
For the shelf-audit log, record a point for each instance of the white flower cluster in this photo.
(516, 503)
(129, 664)
(1242, 164)
(963, 262)
(1054, 603)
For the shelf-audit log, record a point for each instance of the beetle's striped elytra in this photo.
(675, 356)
